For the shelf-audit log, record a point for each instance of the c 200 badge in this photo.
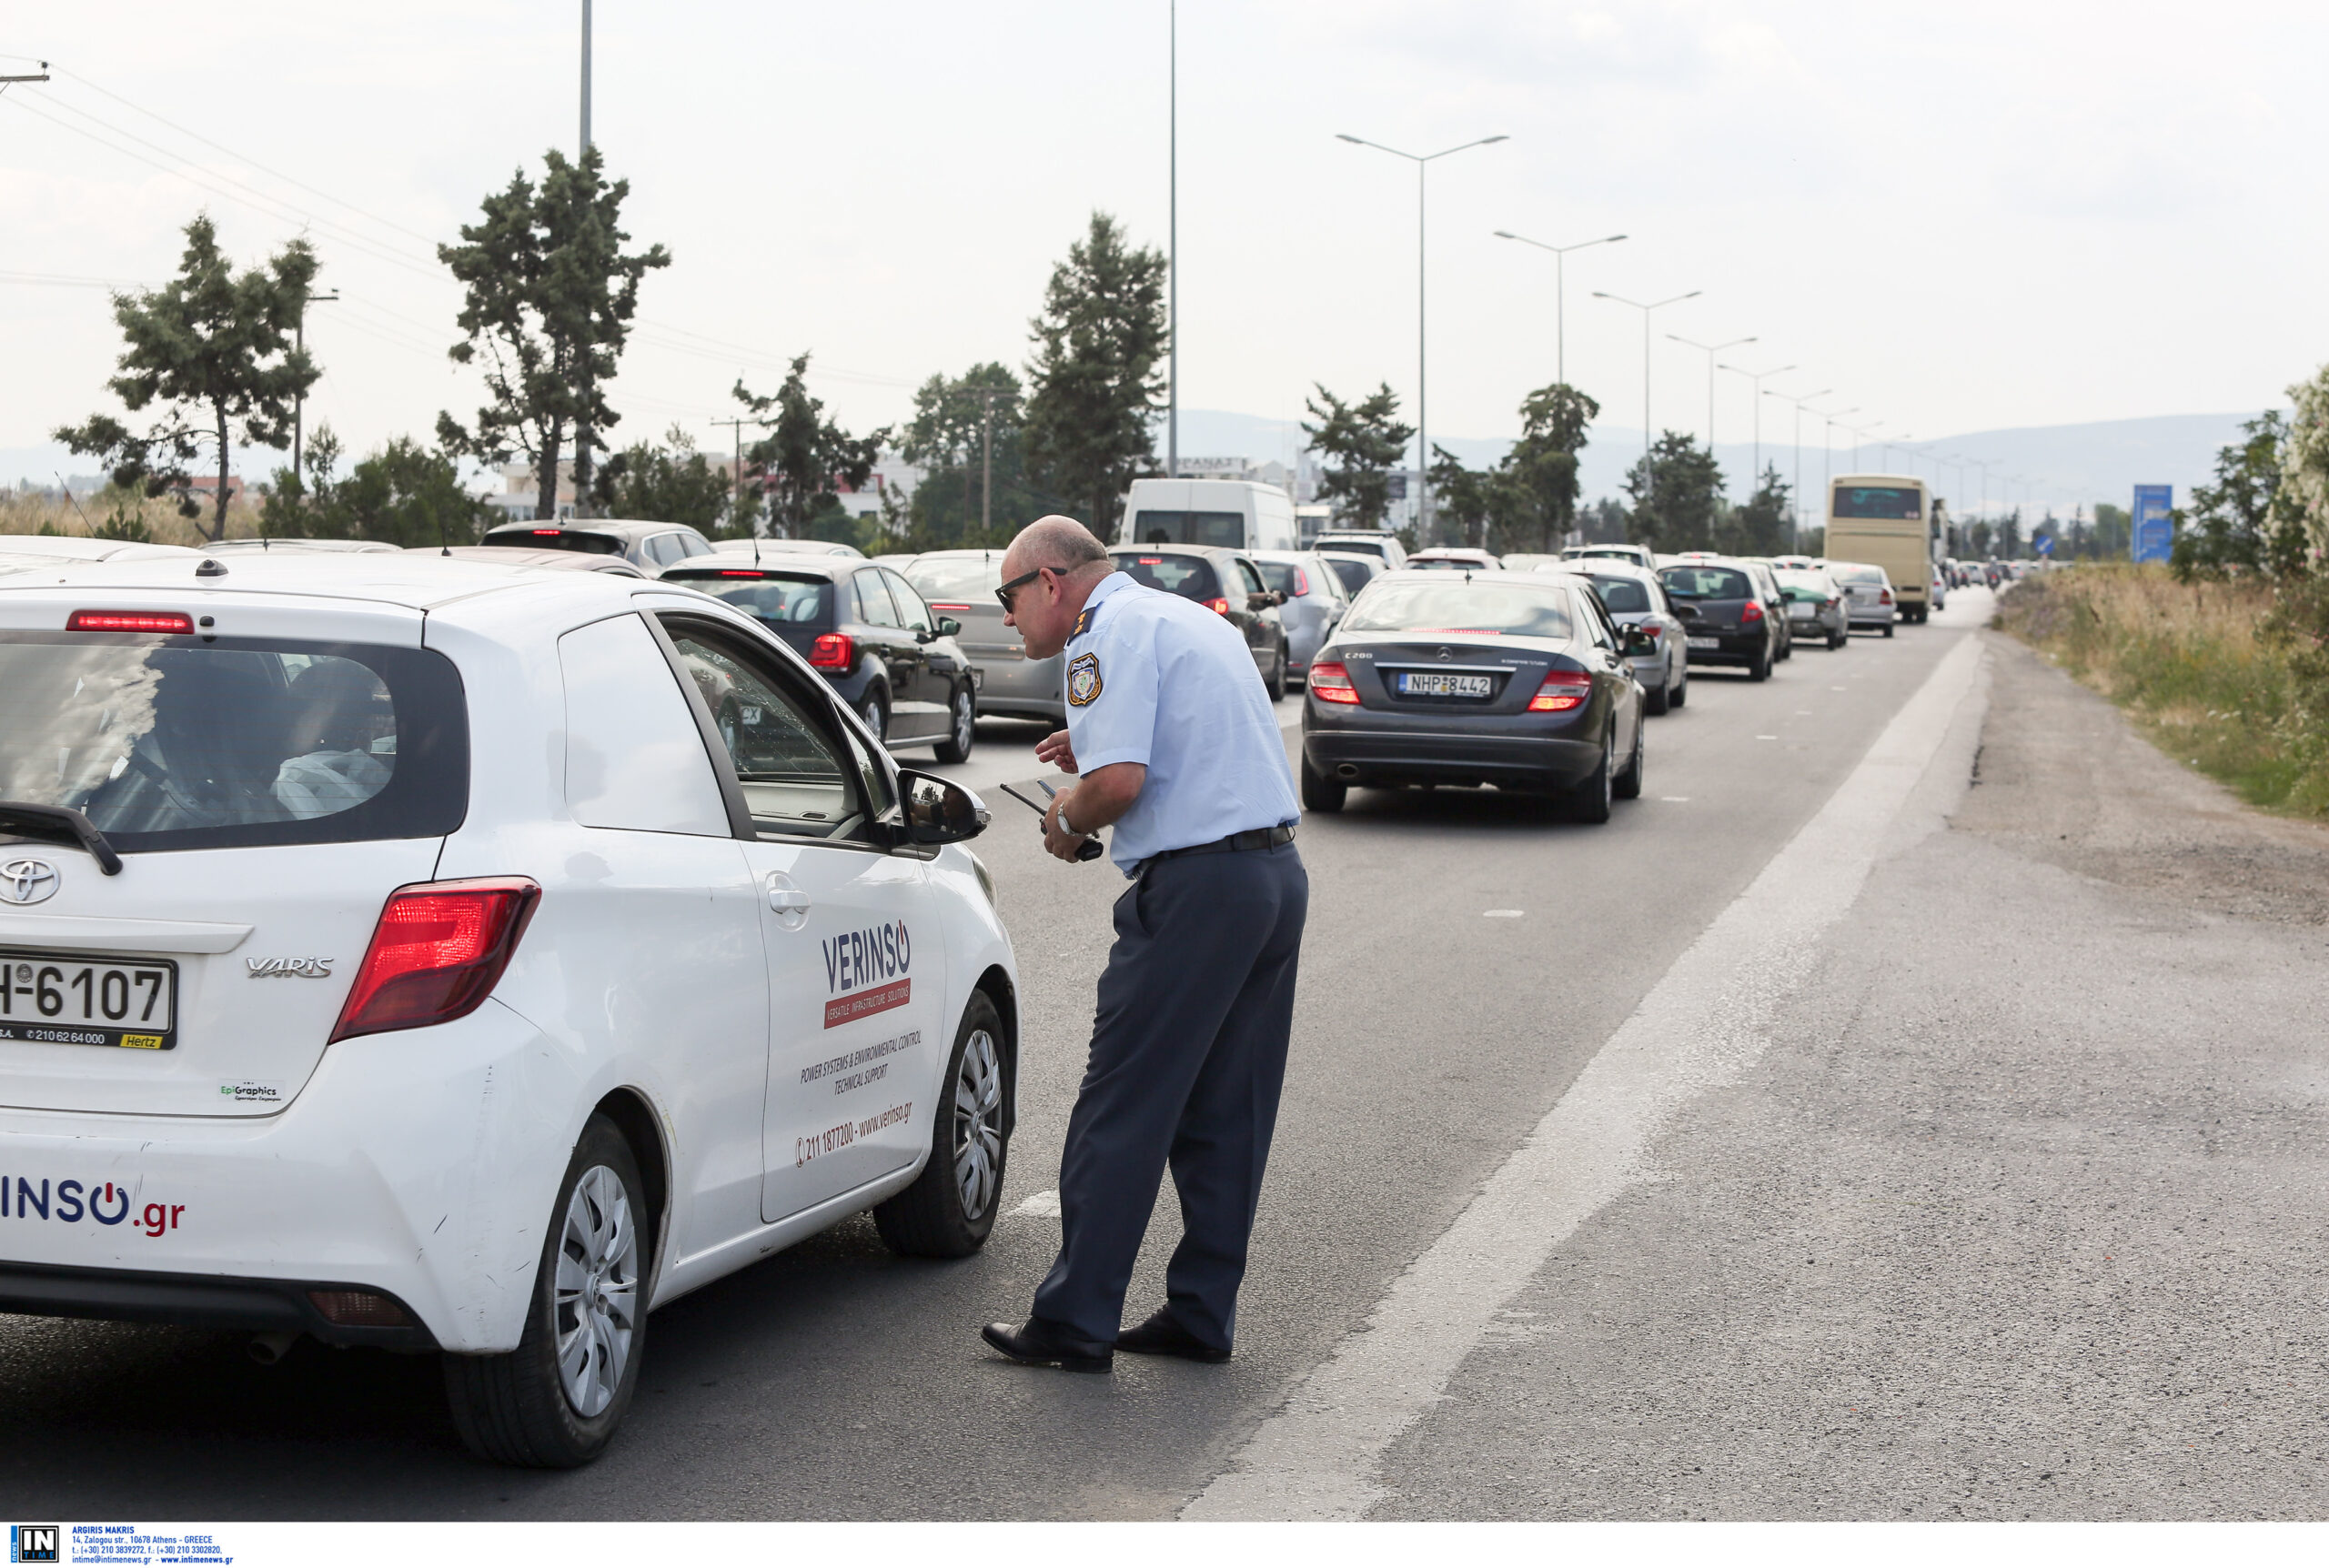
(1083, 678)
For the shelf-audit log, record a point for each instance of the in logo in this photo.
(25, 880)
(33, 1544)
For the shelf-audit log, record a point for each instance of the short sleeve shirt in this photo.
(1158, 679)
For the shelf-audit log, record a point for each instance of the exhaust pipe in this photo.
(268, 1349)
(1346, 770)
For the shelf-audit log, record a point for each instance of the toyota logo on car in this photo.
(25, 880)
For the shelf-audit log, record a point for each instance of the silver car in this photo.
(1868, 595)
(962, 584)
(1352, 571)
(1633, 597)
(1315, 602)
(1815, 606)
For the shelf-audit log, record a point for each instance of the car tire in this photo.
(949, 1210)
(1681, 692)
(962, 729)
(1277, 682)
(1626, 786)
(1656, 702)
(1837, 639)
(527, 1407)
(1888, 628)
(1760, 667)
(1589, 801)
(876, 714)
(1320, 793)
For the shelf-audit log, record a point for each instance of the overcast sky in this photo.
(1957, 216)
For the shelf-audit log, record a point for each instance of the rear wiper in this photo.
(58, 825)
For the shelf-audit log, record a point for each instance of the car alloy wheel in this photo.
(978, 1124)
(597, 1300)
(876, 719)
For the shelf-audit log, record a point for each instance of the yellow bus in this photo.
(1885, 520)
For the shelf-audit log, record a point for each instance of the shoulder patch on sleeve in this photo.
(1083, 625)
(1082, 678)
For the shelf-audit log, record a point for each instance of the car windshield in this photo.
(233, 742)
(956, 576)
(1500, 608)
(1442, 564)
(1623, 595)
(1707, 582)
(1191, 576)
(785, 599)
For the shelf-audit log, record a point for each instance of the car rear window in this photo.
(1191, 576)
(178, 744)
(1852, 574)
(1356, 547)
(1396, 602)
(1353, 575)
(1707, 582)
(779, 599)
(1623, 595)
(1285, 577)
(545, 537)
(1897, 502)
(960, 577)
(1809, 585)
(1223, 528)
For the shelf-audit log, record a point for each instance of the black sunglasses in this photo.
(1013, 585)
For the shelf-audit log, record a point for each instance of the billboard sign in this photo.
(2154, 524)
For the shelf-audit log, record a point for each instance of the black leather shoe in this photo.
(1163, 1335)
(1036, 1343)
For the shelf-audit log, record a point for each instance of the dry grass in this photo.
(28, 513)
(2216, 674)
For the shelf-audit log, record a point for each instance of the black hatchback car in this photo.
(1226, 582)
(1517, 679)
(865, 629)
(1723, 615)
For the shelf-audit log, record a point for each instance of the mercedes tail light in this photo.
(170, 622)
(1217, 605)
(833, 650)
(1331, 683)
(1562, 690)
(1751, 614)
(437, 953)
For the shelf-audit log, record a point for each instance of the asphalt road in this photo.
(833, 1380)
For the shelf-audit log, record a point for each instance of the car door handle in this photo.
(789, 902)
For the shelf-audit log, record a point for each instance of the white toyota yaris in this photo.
(454, 958)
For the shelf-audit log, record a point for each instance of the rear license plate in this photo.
(81, 998)
(1705, 642)
(1431, 683)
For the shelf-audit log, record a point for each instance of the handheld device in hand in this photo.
(1090, 850)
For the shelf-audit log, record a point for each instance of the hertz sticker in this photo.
(142, 1042)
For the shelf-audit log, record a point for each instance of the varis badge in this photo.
(1083, 678)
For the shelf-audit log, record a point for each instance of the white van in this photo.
(1238, 514)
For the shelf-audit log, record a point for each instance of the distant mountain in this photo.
(2070, 464)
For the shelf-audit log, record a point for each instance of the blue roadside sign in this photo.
(2154, 522)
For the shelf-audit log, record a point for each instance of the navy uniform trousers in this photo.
(1188, 1056)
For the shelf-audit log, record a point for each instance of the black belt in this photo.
(1251, 838)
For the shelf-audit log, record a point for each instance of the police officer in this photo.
(1176, 747)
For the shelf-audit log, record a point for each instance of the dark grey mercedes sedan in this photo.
(1521, 680)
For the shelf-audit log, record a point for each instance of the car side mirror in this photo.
(948, 626)
(939, 810)
(1638, 641)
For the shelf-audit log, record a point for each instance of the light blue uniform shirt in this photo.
(1161, 681)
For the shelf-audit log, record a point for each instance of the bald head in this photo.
(1064, 563)
(1062, 544)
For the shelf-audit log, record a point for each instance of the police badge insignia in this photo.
(1083, 679)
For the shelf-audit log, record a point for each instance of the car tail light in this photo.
(437, 953)
(833, 650)
(1218, 605)
(1152, 560)
(168, 621)
(358, 1309)
(1562, 690)
(1301, 583)
(1884, 598)
(1834, 602)
(1653, 628)
(1751, 614)
(1331, 683)
(547, 533)
(735, 572)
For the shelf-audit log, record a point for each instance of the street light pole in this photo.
(1797, 512)
(1560, 292)
(1423, 411)
(1756, 377)
(1172, 242)
(1645, 310)
(1710, 350)
(1828, 457)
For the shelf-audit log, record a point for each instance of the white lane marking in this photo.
(1501, 914)
(1676, 799)
(1767, 737)
(1703, 1023)
(1037, 1206)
